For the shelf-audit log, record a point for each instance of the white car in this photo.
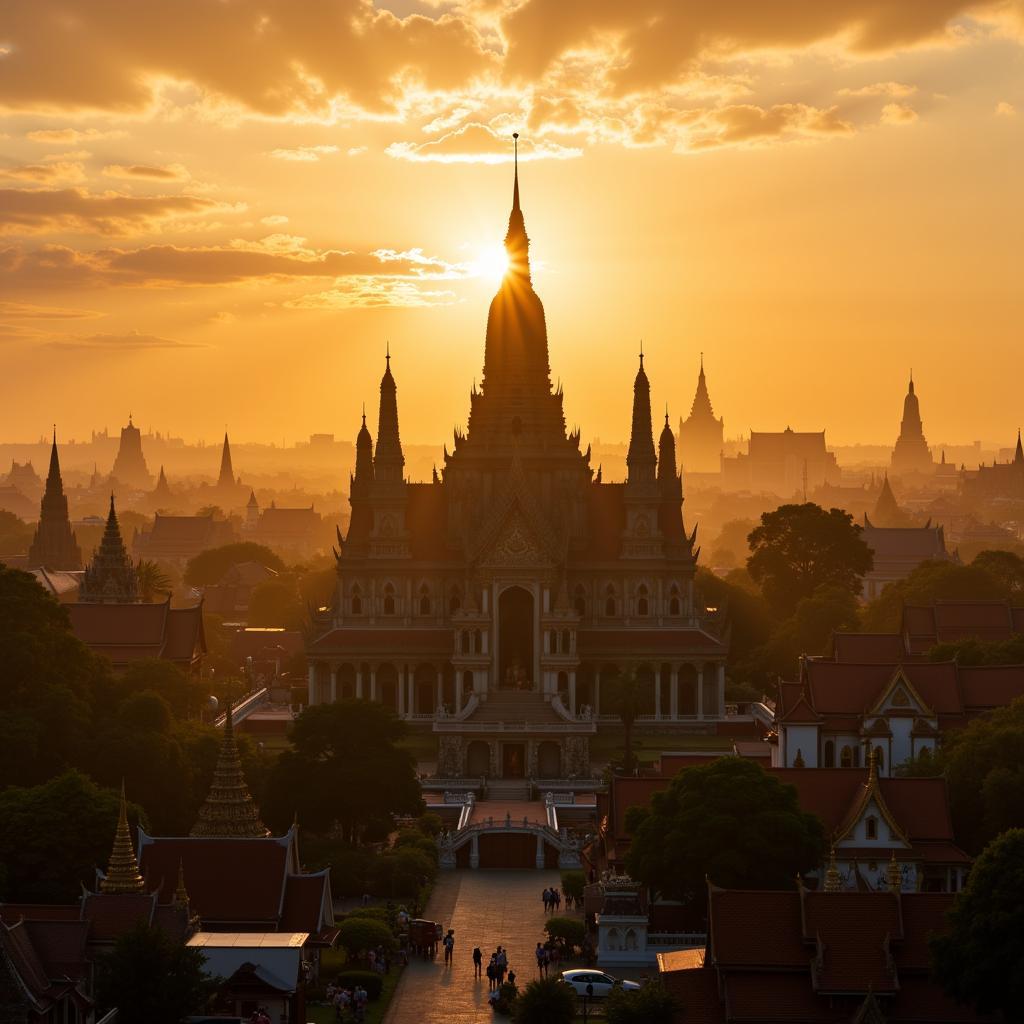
(597, 984)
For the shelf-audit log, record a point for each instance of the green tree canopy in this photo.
(731, 548)
(545, 1001)
(155, 583)
(358, 935)
(152, 979)
(49, 684)
(209, 566)
(54, 837)
(1005, 567)
(652, 1004)
(276, 602)
(728, 821)
(981, 652)
(928, 583)
(980, 961)
(346, 767)
(15, 535)
(183, 695)
(799, 548)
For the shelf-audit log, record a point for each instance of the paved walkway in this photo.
(486, 909)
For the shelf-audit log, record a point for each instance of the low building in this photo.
(898, 551)
(178, 539)
(815, 957)
(785, 463)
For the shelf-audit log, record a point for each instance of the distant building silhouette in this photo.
(162, 492)
(25, 479)
(899, 550)
(1000, 480)
(227, 475)
(516, 585)
(701, 435)
(787, 463)
(911, 454)
(177, 539)
(111, 577)
(54, 545)
(130, 464)
(887, 511)
(296, 531)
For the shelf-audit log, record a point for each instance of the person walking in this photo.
(492, 972)
(478, 962)
(449, 947)
(502, 965)
(541, 956)
(546, 897)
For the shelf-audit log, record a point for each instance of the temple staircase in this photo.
(516, 706)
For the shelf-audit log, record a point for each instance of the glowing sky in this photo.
(215, 212)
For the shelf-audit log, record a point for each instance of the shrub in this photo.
(414, 839)
(653, 1004)
(370, 980)
(567, 930)
(357, 935)
(546, 1001)
(430, 824)
(507, 995)
(573, 883)
(401, 873)
(373, 913)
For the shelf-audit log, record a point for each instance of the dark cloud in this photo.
(172, 172)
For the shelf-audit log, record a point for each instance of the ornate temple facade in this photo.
(54, 545)
(911, 453)
(501, 600)
(701, 434)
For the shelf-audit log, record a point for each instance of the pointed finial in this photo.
(833, 880)
(641, 353)
(181, 893)
(515, 160)
(123, 870)
(55, 433)
(666, 414)
(873, 766)
(387, 353)
(893, 874)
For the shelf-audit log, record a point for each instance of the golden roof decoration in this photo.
(833, 880)
(229, 810)
(893, 874)
(123, 870)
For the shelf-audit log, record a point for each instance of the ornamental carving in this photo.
(576, 756)
(449, 757)
(515, 546)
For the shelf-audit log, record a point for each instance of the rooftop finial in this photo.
(515, 161)
(641, 353)
(387, 353)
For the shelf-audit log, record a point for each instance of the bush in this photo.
(546, 1001)
(414, 839)
(350, 865)
(653, 1004)
(507, 995)
(567, 930)
(573, 883)
(372, 913)
(402, 872)
(358, 935)
(430, 824)
(370, 980)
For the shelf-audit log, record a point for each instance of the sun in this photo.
(490, 263)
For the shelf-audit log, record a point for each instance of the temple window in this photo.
(389, 599)
(675, 604)
(609, 599)
(579, 600)
(642, 602)
(464, 639)
(553, 641)
(424, 600)
(879, 758)
(829, 758)
(566, 642)
(871, 828)
(846, 757)
(455, 601)
(357, 600)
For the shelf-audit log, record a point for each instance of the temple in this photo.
(54, 545)
(111, 576)
(911, 454)
(701, 434)
(501, 601)
(130, 468)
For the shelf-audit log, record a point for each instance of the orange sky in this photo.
(217, 212)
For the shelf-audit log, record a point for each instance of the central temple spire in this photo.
(517, 242)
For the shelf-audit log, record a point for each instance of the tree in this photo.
(49, 683)
(346, 767)
(729, 822)
(570, 931)
(545, 1001)
(275, 603)
(626, 698)
(1005, 567)
(154, 583)
(980, 960)
(15, 535)
(731, 547)
(981, 652)
(208, 567)
(573, 884)
(984, 769)
(55, 835)
(165, 678)
(928, 583)
(799, 548)
(652, 1004)
(358, 935)
(152, 978)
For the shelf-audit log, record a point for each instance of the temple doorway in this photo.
(513, 760)
(515, 639)
(549, 760)
(478, 759)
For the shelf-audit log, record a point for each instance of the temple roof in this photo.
(128, 632)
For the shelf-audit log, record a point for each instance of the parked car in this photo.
(595, 983)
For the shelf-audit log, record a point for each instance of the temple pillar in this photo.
(410, 682)
(400, 686)
(373, 682)
(540, 851)
(572, 692)
(597, 694)
(474, 851)
(673, 694)
(439, 699)
(334, 684)
(700, 692)
(721, 689)
(657, 695)
(311, 699)
(359, 682)
(458, 692)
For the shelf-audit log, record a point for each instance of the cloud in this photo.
(478, 143)
(746, 123)
(171, 172)
(26, 311)
(303, 154)
(1005, 109)
(897, 89)
(28, 212)
(356, 150)
(71, 136)
(898, 113)
(274, 220)
(373, 292)
(120, 342)
(46, 173)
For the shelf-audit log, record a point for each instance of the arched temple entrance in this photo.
(515, 639)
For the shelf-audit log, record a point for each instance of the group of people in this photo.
(553, 900)
(547, 954)
(349, 1003)
(498, 970)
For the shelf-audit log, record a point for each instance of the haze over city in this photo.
(819, 200)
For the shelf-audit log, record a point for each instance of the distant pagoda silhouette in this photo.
(54, 545)
(111, 577)
(229, 810)
(162, 492)
(130, 465)
(227, 475)
(123, 870)
(701, 434)
(911, 454)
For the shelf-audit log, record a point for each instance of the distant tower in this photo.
(911, 454)
(226, 480)
(130, 465)
(162, 492)
(111, 577)
(701, 435)
(252, 512)
(54, 545)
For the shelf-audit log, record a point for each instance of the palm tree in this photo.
(154, 583)
(627, 700)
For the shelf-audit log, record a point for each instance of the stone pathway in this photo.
(486, 909)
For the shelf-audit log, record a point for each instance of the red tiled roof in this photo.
(842, 689)
(60, 946)
(373, 641)
(696, 992)
(868, 648)
(786, 998)
(641, 642)
(427, 517)
(185, 637)
(304, 903)
(127, 632)
(606, 521)
(16, 942)
(801, 713)
(991, 686)
(12, 913)
(774, 942)
(238, 881)
(113, 914)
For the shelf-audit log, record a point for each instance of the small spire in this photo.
(180, 892)
(387, 354)
(515, 178)
(833, 880)
(641, 353)
(893, 874)
(872, 766)
(123, 870)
